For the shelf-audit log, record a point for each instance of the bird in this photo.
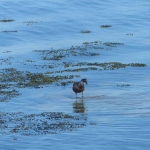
(78, 87)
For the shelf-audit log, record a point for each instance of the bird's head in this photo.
(84, 80)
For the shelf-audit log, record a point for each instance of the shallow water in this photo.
(37, 112)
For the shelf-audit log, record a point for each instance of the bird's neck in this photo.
(81, 83)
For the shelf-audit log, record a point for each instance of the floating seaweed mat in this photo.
(39, 124)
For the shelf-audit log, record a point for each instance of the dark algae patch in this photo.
(106, 26)
(59, 54)
(86, 31)
(112, 44)
(85, 66)
(7, 60)
(39, 124)
(28, 23)
(7, 20)
(9, 31)
(7, 52)
(109, 64)
(123, 85)
(129, 34)
(7, 93)
(56, 68)
(86, 49)
(27, 79)
(11, 79)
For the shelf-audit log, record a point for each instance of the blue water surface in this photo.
(117, 117)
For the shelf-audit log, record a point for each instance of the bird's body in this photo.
(78, 87)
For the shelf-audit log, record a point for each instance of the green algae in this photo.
(7, 31)
(76, 70)
(58, 54)
(6, 61)
(106, 26)
(27, 79)
(86, 43)
(55, 71)
(11, 79)
(30, 61)
(96, 65)
(6, 94)
(86, 49)
(129, 34)
(39, 124)
(28, 23)
(123, 85)
(7, 52)
(86, 31)
(113, 44)
(7, 20)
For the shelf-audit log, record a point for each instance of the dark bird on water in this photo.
(78, 87)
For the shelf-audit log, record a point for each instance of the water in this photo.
(114, 112)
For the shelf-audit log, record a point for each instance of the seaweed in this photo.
(12, 80)
(86, 31)
(7, 20)
(129, 34)
(6, 31)
(32, 22)
(39, 124)
(123, 85)
(106, 26)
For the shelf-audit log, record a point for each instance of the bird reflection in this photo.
(78, 106)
